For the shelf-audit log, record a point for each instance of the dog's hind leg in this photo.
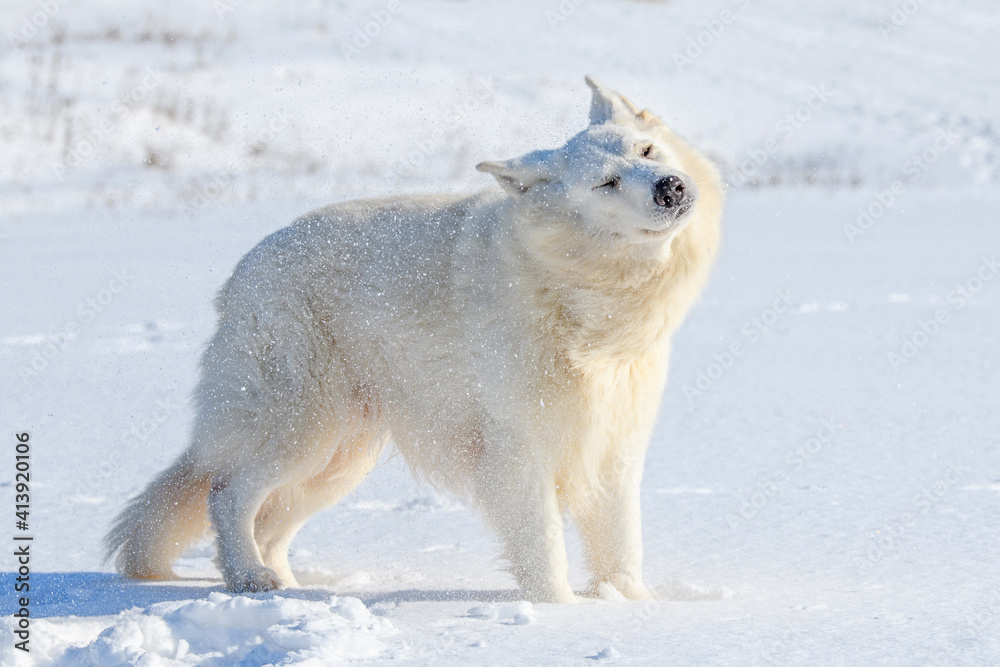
(287, 508)
(238, 492)
(233, 501)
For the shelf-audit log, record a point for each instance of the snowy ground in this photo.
(768, 541)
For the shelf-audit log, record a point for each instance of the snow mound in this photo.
(221, 630)
(517, 613)
(609, 653)
(682, 591)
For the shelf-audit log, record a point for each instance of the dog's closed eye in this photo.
(612, 182)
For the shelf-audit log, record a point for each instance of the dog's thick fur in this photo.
(512, 343)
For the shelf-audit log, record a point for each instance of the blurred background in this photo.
(111, 105)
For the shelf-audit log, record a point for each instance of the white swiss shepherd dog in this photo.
(513, 344)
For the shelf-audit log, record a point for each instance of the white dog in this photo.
(512, 343)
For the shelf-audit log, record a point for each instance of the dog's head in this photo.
(626, 176)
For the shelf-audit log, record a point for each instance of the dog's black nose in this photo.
(668, 191)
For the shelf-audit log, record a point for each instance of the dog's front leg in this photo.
(610, 524)
(519, 500)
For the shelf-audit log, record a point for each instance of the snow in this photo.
(221, 630)
(811, 499)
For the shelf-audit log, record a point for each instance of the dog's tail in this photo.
(158, 524)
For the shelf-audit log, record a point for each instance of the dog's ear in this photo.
(649, 117)
(608, 106)
(519, 175)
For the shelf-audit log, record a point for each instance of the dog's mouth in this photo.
(681, 211)
(654, 233)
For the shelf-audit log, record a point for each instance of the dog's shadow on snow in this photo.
(457, 595)
(104, 594)
(96, 593)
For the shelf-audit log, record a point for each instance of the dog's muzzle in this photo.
(671, 194)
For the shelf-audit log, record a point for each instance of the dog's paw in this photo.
(554, 598)
(619, 589)
(552, 594)
(259, 580)
(636, 592)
